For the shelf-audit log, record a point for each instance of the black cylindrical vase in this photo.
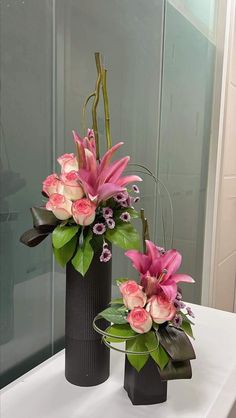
(87, 359)
(144, 387)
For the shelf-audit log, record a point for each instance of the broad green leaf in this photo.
(63, 234)
(113, 315)
(176, 370)
(121, 280)
(83, 257)
(186, 318)
(160, 357)
(176, 343)
(122, 330)
(124, 236)
(117, 301)
(137, 345)
(64, 254)
(151, 340)
(186, 327)
(133, 213)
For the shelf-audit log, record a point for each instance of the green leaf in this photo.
(123, 331)
(133, 213)
(121, 280)
(124, 236)
(137, 344)
(176, 343)
(151, 340)
(186, 327)
(64, 254)
(63, 234)
(83, 256)
(113, 315)
(117, 301)
(186, 318)
(160, 357)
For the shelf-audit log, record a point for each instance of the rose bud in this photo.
(60, 206)
(140, 320)
(68, 162)
(52, 184)
(83, 211)
(160, 309)
(72, 189)
(133, 295)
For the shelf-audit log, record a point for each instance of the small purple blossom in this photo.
(125, 217)
(136, 199)
(107, 212)
(99, 229)
(190, 312)
(177, 321)
(105, 256)
(105, 245)
(161, 250)
(179, 304)
(179, 296)
(110, 223)
(121, 197)
(135, 188)
(124, 204)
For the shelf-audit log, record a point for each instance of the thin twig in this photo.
(84, 111)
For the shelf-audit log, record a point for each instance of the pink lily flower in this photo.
(158, 270)
(101, 179)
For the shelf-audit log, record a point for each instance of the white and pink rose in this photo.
(68, 162)
(52, 184)
(133, 295)
(71, 187)
(83, 211)
(140, 320)
(60, 206)
(161, 309)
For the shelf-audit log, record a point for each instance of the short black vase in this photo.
(144, 387)
(87, 359)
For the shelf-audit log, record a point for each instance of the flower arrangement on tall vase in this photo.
(89, 208)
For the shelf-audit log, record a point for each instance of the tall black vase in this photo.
(144, 387)
(87, 359)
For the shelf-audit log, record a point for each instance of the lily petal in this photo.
(105, 191)
(108, 156)
(169, 287)
(152, 250)
(171, 261)
(141, 262)
(182, 278)
(128, 179)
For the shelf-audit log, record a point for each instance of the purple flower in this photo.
(177, 321)
(179, 304)
(125, 217)
(121, 197)
(161, 250)
(135, 188)
(106, 255)
(107, 212)
(179, 296)
(99, 229)
(110, 223)
(190, 312)
(136, 199)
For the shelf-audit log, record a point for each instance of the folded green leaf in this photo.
(64, 254)
(43, 219)
(117, 301)
(84, 255)
(123, 331)
(124, 236)
(186, 327)
(33, 237)
(160, 357)
(176, 343)
(176, 370)
(186, 318)
(113, 315)
(63, 234)
(137, 345)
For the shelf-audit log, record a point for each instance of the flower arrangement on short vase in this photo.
(89, 208)
(154, 322)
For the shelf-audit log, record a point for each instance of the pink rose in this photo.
(60, 206)
(140, 320)
(68, 162)
(133, 295)
(72, 189)
(160, 309)
(52, 184)
(83, 211)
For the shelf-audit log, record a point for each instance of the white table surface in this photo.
(44, 393)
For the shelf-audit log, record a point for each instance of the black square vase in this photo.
(144, 387)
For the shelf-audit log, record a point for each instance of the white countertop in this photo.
(44, 392)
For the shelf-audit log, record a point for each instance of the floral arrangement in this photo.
(89, 204)
(151, 317)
